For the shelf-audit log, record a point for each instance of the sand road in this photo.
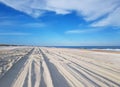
(59, 67)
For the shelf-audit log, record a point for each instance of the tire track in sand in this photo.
(10, 76)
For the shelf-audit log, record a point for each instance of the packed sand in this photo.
(58, 67)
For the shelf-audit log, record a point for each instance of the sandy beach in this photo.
(58, 67)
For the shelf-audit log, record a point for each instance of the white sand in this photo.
(59, 67)
(8, 47)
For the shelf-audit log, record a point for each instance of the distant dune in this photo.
(7, 45)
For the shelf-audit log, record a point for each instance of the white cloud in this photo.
(112, 20)
(91, 10)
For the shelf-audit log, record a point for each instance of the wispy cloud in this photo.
(20, 24)
(79, 31)
(7, 22)
(35, 25)
(74, 31)
(14, 34)
(91, 10)
(6, 17)
(112, 20)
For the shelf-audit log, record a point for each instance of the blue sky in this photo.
(64, 22)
